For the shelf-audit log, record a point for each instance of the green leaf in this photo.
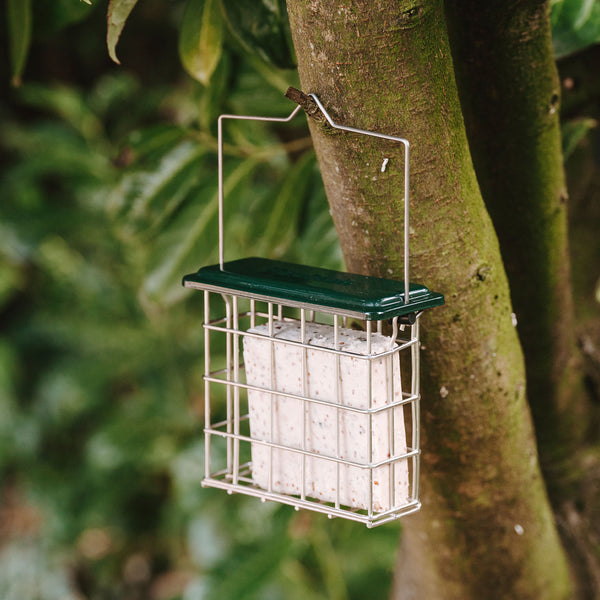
(279, 229)
(147, 197)
(51, 150)
(201, 38)
(118, 12)
(211, 99)
(67, 103)
(9, 372)
(11, 279)
(247, 574)
(150, 144)
(573, 132)
(19, 19)
(262, 28)
(575, 25)
(190, 241)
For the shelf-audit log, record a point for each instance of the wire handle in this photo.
(331, 122)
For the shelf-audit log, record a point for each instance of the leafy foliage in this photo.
(262, 29)
(575, 25)
(574, 131)
(105, 210)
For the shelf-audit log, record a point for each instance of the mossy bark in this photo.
(510, 94)
(486, 529)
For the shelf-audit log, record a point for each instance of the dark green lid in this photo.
(370, 298)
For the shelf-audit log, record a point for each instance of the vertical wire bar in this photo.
(271, 395)
(228, 371)
(370, 419)
(379, 326)
(207, 438)
(304, 393)
(391, 417)
(252, 313)
(236, 392)
(416, 432)
(406, 220)
(220, 180)
(394, 331)
(280, 312)
(338, 398)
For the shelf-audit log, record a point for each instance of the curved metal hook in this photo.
(335, 125)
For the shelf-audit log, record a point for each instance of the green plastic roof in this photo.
(371, 298)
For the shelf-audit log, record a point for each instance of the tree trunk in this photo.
(486, 529)
(510, 91)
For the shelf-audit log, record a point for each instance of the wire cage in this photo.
(311, 381)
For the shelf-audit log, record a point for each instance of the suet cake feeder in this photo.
(319, 372)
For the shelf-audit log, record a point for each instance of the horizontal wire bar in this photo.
(243, 315)
(226, 472)
(313, 454)
(316, 505)
(245, 417)
(346, 407)
(405, 343)
(275, 300)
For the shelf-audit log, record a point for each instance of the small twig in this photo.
(309, 106)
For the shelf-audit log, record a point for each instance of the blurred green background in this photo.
(107, 197)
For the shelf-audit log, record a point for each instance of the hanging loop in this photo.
(335, 125)
(220, 166)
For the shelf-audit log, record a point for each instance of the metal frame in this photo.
(239, 434)
(365, 466)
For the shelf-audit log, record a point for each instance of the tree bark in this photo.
(486, 529)
(510, 95)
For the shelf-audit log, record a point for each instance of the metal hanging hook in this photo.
(334, 125)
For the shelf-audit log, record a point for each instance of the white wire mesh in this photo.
(310, 409)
